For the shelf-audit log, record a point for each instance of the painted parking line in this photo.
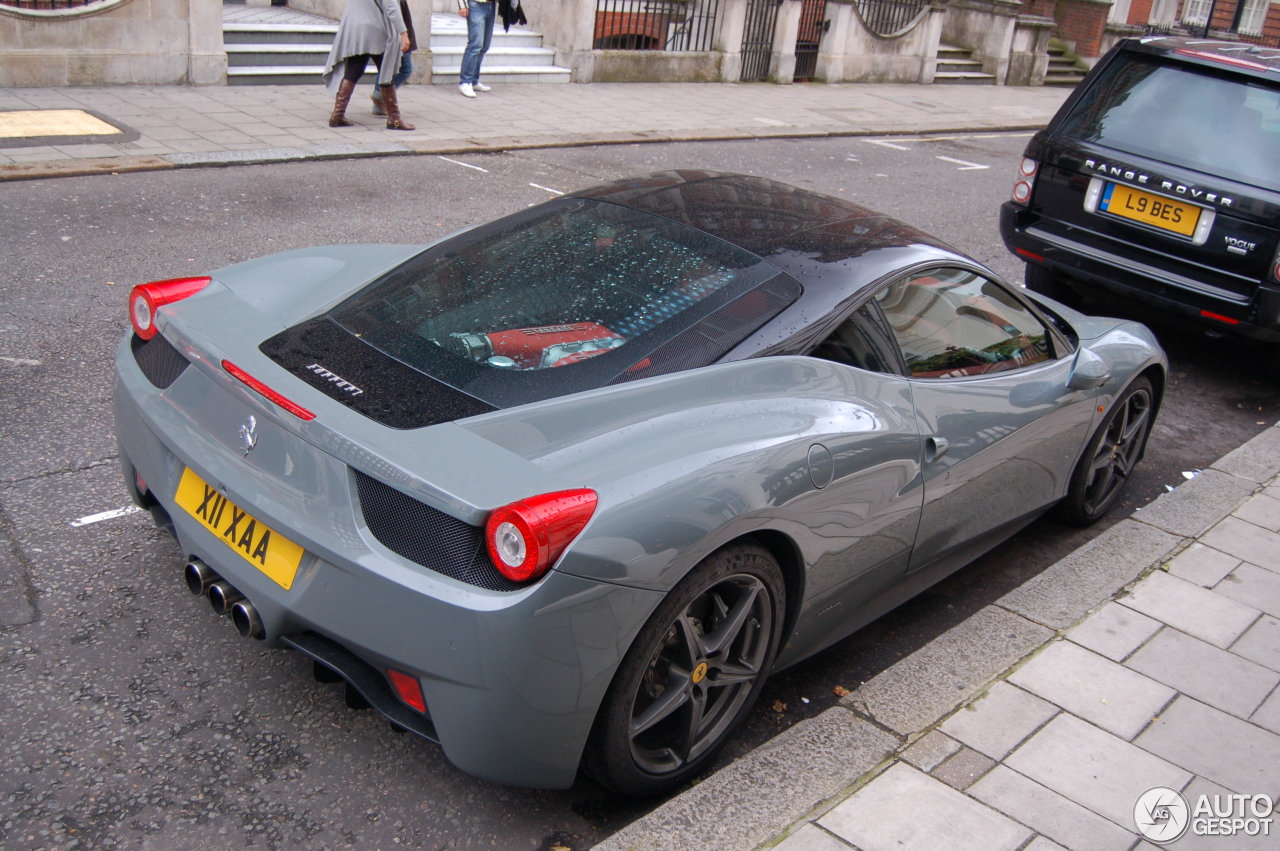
(964, 165)
(885, 144)
(106, 515)
(464, 165)
(20, 361)
(546, 189)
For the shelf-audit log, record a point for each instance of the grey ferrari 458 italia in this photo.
(558, 492)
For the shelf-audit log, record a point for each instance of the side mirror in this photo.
(1089, 371)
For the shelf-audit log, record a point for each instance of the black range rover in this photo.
(1159, 180)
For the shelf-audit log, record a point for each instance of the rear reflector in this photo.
(140, 482)
(145, 299)
(1022, 252)
(1218, 316)
(407, 689)
(255, 384)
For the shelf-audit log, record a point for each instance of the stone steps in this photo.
(280, 46)
(957, 67)
(516, 56)
(1063, 68)
(274, 45)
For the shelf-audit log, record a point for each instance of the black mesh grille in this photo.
(160, 362)
(428, 537)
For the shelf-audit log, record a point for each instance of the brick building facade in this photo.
(1252, 20)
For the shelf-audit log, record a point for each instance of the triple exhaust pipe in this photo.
(225, 599)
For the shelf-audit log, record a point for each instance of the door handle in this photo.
(935, 447)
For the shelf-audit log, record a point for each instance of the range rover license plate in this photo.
(1153, 210)
(254, 541)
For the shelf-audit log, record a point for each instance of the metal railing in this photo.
(1203, 30)
(655, 24)
(757, 39)
(887, 17)
(809, 38)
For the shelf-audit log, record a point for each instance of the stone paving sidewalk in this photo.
(176, 127)
(1150, 657)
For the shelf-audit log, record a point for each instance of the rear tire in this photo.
(691, 675)
(1273, 364)
(1055, 286)
(1109, 459)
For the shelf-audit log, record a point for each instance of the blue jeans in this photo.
(406, 68)
(480, 18)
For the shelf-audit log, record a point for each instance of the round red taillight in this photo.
(1022, 192)
(145, 299)
(525, 538)
(1028, 167)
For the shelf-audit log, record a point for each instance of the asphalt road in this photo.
(135, 718)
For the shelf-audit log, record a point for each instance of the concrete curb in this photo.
(80, 168)
(491, 145)
(763, 797)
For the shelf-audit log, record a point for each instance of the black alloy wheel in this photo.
(692, 673)
(1111, 456)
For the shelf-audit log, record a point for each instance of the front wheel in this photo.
(1109, 459)
(691, 675)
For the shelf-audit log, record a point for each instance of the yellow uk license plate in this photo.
(254, 541)
(1154, 210)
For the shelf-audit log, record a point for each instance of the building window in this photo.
(1196, 12)
(1252, 16)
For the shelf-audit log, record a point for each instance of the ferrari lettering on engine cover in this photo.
(336, 380)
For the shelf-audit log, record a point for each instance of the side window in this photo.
(860, 341)
(951, 323)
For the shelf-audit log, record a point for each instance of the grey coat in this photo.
(367, 26)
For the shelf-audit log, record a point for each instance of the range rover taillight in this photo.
(1026, 180)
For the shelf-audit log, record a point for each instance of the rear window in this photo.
(1217, 124)
(568, 296)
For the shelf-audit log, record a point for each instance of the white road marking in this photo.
(546, 189)
(106, 515)
(20, 361)
(464, 165)
(884, 144)
(964, 166)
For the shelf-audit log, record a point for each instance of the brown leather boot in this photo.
(376, 97)
(389, 103)
(339, 116)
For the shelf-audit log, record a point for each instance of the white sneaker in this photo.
(481, 87)
(467, 91)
